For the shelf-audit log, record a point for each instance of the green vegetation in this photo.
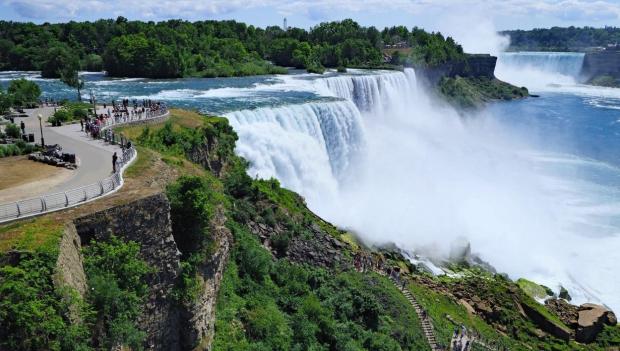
(534, 290)
(177, 48)
(17, 149)
(275, 305)
(470, 92)
(423, 48)
(604, 81)
(23, 93)
(70, 111)
(562, 39)
(117, 290)
(33, 312)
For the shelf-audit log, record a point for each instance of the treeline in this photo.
(562, 39)
(177, 48)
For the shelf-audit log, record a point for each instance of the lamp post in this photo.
(41, 127)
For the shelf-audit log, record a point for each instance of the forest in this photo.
(562, 39)
(178, 48)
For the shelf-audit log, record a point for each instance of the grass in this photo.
(438, 306)
(471, 92)
(42, 232)
(534, 290)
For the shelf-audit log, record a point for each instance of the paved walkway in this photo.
(95, 156)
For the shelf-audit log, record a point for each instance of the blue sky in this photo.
(443, 15)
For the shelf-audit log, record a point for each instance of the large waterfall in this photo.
(377, 155)
(539, 69)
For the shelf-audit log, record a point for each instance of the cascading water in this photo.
(539, 69)
(389, 164)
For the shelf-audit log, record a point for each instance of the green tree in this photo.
(6, 101)
(69, 75)
(59, 58)
(24, 93)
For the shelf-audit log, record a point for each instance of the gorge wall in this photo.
(168, 324)
(601, 63)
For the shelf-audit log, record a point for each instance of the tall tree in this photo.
(69, 75)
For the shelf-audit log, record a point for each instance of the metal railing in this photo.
(83, 194)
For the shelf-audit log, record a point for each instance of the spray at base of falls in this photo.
(539, 70)
(395, 167)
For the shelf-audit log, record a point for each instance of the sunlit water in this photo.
(531, 184)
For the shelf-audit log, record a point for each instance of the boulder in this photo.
(545, 323)
(591, 320)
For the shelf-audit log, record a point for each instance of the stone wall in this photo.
(146, 221)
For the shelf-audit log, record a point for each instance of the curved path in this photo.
(92, 179)
(95, 156)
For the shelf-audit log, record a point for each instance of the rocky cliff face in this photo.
(199, 316)
(147, 222)
(601, 63)
(473, 66)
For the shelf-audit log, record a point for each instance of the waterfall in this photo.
(312, 147)
(539, 69)
(371, 92)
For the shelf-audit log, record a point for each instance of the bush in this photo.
(12, 131)
(61, 115)
(80, 113)
(24, 93)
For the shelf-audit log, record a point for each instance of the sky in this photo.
(435, 15)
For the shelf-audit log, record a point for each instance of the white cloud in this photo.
(527, 12)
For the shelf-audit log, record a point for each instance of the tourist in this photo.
(114, 159)
(82, 124)
(23, 126)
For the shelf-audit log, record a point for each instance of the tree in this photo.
(6, 101)
(59, 57)
(70, 76)
(24, 93)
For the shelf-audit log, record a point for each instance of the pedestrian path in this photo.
(94, 176)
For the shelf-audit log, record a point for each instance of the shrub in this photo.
(61, 115)
(12, 130)
(80, 113)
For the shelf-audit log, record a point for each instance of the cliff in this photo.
(474, 65)
(601, 64)
(146, 222)
(469, 83)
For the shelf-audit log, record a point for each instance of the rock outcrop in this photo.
(316, 248)
(546, 324)
(479, 65)
(69, 265)
(592, 319)
(601, 63)
(147, 222)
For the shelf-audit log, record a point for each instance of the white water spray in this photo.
(394, 167)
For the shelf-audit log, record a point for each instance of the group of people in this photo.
(123, 111)
(461, 339)
(48, 102)
(120, 113)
